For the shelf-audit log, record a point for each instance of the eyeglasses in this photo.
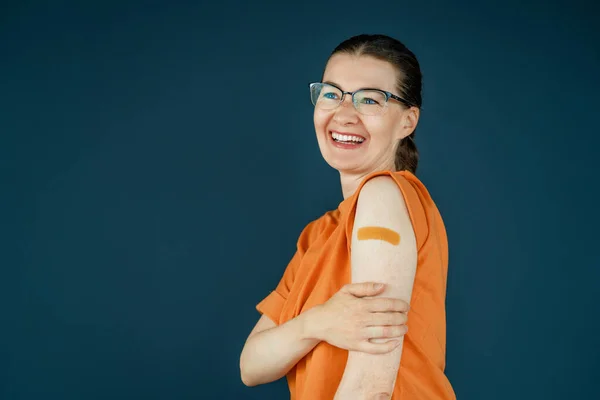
(326, 96)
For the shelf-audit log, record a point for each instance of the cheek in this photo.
(380, 129)
(376, 127)
(320, 120)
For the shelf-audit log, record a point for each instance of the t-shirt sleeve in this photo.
(272, 305)
(413, 193)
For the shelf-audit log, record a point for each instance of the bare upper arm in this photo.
(387, 254)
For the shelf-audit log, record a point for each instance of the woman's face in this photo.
(380, 132)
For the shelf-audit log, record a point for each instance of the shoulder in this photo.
(382, 184)
(381, 195)
(382, 202)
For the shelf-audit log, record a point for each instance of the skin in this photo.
(271, 350)
(382, 132)
(346, 321)
(380, 203)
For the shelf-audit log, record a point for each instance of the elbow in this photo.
(252, 379)
(249, 378)
(246, 377)
(246, 380)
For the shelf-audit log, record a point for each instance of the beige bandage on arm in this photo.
(378, 233)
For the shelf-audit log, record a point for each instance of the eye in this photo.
(370, 101)
(330, 95)
(370, 98)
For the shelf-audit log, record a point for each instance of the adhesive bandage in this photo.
(378, 233)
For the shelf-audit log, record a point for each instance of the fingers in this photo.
(363, 289)
(387, 318)
(385, 332)
(387, 305)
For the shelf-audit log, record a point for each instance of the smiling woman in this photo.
(337, 324)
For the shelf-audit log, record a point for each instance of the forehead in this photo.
(352, 72)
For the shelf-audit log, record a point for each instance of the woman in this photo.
(338, 323)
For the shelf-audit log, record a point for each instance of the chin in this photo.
(343, 166)
(345, 157)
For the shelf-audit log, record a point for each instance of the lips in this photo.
(346, 140)
(346, 137)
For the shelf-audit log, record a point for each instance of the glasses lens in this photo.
(370, 102)
(325, 96)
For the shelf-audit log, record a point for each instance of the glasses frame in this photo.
(388, 95)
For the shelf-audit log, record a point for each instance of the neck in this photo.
(350, 179)
(350, 183)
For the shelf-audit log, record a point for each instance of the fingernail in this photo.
(378, 285)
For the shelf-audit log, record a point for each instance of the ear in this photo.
(411, 119)
(408, 122)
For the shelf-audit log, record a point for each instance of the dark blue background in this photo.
(158, 161)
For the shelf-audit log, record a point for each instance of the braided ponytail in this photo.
(407, 154)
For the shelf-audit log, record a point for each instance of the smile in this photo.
(346, 139)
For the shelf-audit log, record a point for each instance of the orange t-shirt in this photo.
(321, 266)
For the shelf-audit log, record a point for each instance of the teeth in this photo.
(346, 138)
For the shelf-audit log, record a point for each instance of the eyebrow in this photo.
(333, 84)
(340, 86)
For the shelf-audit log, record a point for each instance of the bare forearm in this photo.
(270, 354)
(364, 383)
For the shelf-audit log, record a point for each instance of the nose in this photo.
(346, 113)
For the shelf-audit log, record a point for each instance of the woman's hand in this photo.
(351, 321)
